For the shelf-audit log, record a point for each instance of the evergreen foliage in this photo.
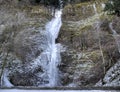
(56, 3)
(113, 7)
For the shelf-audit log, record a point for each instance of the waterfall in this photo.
(95, 9)
(116, 36)
(53, 28)
(4, 80)
(113, 31)
(103, 5)
(50, 58)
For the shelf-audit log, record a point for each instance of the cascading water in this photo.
(116, 36)
(53, 28)
(4, 80)
(50, 59)
(95, 9)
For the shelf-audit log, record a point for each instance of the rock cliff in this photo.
(89, 53)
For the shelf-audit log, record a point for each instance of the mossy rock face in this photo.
(23, 37)
(86, 36)
(16, 19)
(77, 66)
(29, 44)
(82, 60)
(80, 39)
(83, 10)
(76, 13)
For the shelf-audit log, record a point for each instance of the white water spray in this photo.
(53, 28)
(95, 8)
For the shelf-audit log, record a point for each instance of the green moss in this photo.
(81, 11)
(94, 56)
(81, 4)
